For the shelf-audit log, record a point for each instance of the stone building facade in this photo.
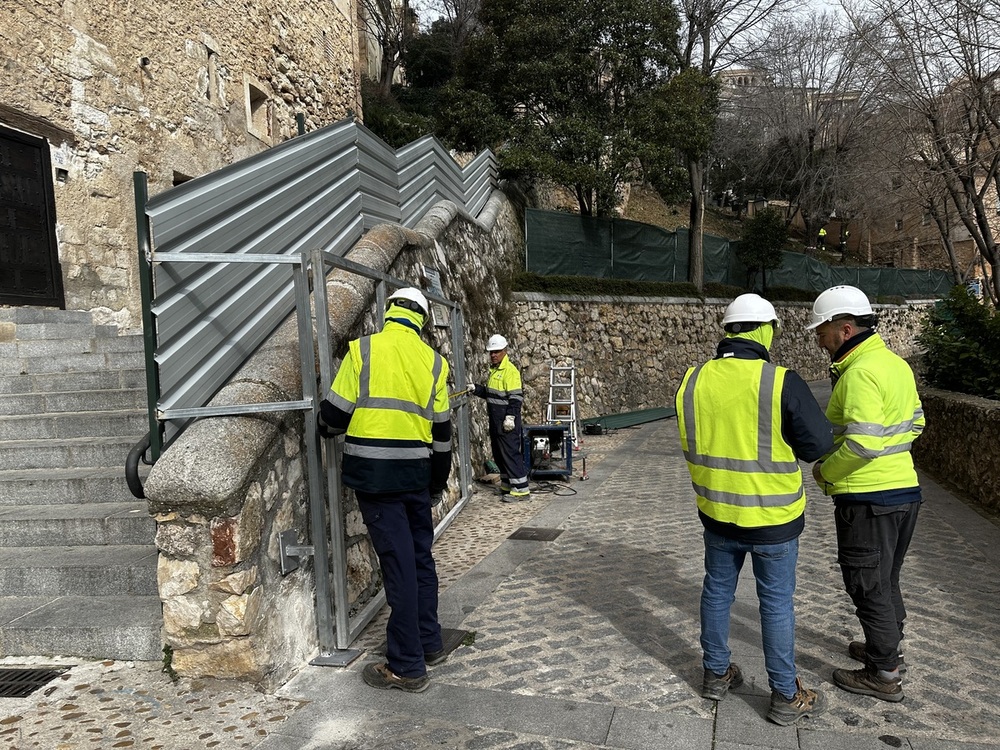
(93, 90)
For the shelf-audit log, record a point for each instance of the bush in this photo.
(790, 294)
(590, 285)
(962, 342)
(764, 236)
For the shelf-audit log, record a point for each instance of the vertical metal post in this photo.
(380, 296)
(307, 358)
(300, 122)
(336, 513)
(461, 380)
(148, 321)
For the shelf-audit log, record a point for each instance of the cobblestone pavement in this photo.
(591, 641)
(606, 616)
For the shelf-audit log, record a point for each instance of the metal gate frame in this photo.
(347, 629)
(336, 630)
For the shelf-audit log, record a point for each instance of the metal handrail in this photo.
(138, 453)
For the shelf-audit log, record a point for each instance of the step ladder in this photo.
(562, 398)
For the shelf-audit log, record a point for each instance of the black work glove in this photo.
(436, 497)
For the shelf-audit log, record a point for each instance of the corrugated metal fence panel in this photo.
(481, 178)
(318, 190)
(379, 186)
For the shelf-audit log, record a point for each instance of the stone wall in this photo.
(961, 443)
(631, 353)
(225, 489)
(166, 88)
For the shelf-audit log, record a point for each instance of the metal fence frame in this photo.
(320, 190)
(336, 629)
(224, 259)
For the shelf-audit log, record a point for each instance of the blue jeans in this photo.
(774, 571)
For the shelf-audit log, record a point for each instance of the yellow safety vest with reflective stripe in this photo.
(876, 415)
(395, 388)
(504, 391)
(742, 469)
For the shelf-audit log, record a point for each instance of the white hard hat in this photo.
(496, 343)
(413, 295)
(748, 308)
(839, 300)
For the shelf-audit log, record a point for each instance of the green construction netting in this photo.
(630, 418)
(569, 245)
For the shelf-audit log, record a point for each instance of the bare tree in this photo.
(943, 62)
(808, 115)
(390, 23)
(714, 34)
(462, 17)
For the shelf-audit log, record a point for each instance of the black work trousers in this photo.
(402, 532)
(872, 541)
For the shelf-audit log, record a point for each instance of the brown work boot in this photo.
(714, 687)
(866, 681)
(381, 677)
(859, 652)
(804, 703)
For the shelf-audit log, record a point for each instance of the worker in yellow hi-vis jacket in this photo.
(390, 397)
(504, 399)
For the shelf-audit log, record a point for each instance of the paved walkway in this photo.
(591, 641)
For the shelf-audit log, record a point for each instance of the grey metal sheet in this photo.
(318, 190)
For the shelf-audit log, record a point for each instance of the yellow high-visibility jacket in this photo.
(744, 423)
(876, 415)
(504, 392)
(391, 396)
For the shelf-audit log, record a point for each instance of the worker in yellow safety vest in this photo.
(876, 415)
(744, 425)
(390, 397)
(504, 398)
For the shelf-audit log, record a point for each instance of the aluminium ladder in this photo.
(562, 398)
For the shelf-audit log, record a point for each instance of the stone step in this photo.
(66, 486)
(124, 628)
(71, 401)
(72, 425)
(34, 348)
(86, 362)
(63, 330)
(19, 315)
(59, 454)
(78, 524)
(108, 570)
(52, 382)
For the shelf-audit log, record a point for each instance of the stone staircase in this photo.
(77, 559)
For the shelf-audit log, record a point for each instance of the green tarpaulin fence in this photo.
(569, 245)
(630, 418)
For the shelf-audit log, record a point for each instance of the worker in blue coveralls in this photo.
(504, 398)
(390, 397)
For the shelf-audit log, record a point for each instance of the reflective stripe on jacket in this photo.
(504, 394)
(393, 388)
(876, 415)
(742, 469)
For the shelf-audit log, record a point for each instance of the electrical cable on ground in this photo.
(557, 489)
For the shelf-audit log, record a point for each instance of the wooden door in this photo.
(29, 261)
